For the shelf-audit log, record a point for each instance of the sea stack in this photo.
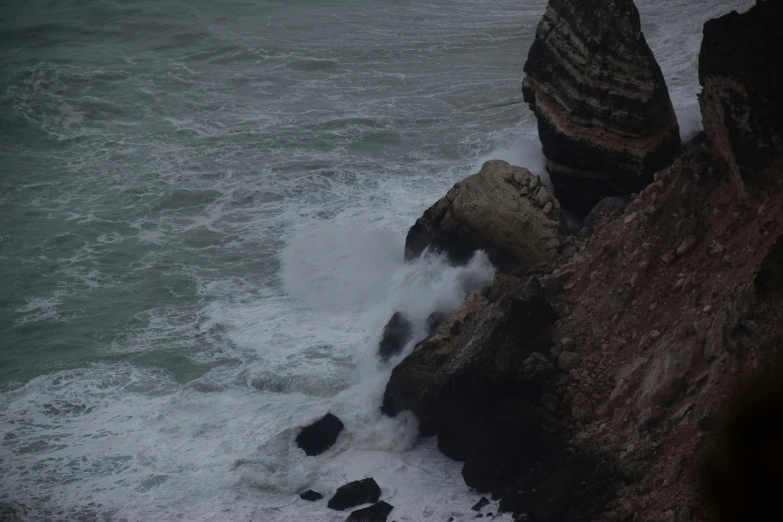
(604, 115)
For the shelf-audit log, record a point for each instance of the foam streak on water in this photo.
(203, 211)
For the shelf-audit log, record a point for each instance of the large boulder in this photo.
(475, 380)
(320, 435)
(504, 210)
(604, 115)
(741, 103)
(356, 493)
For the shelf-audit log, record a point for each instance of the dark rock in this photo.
(378, 512)
(478, 506)
(511, 442)
(741, 103)
(320, 435)
(499, 210)
(355, 493)
(396, 333)
(604, 115)
(310, 495)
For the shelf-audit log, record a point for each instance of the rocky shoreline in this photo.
(593, 380)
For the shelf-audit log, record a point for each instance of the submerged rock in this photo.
(320, 435)
(604, 115)
(500, 210)
(311, 495)
(396, 333)
(378, 512)
(741, 104)
(355, 493)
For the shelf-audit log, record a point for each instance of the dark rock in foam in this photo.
(604, 115)
(320, 435)
(396, 333)
(355, 493)
(311, 495)
(378, 512)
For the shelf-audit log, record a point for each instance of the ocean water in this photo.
(202, 212)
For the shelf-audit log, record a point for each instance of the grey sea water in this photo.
(202, 212)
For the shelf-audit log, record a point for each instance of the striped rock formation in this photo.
(605, 119)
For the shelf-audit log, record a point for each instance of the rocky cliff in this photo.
(599, 386)
(604, 115)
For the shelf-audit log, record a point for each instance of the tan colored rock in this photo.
(488, 211)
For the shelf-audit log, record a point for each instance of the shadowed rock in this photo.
(320, 435)
(355, 493)
(604, 115)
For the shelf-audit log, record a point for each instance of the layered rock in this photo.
(504, 210)
(604, 115)
(742, 101)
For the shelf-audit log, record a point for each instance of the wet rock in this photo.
(487, 211)
(478, 506)
(311, 495)
(355, 493)
(396, 333)
(604, 115)
(320, 435)
(378, 512)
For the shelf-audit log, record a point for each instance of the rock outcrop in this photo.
(503, 209)
(604, 115)
(741, 103)
(320, 435)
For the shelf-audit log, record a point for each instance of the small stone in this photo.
(630, 217)
(555, 352)
(376, 513)
(568, 344)
(550, 402)
(547, 208)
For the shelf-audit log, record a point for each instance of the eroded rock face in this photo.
(604, 115)
(741, 104)
(503, 209)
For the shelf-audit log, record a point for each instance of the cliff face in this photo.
(613, 364)
(605, 119)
